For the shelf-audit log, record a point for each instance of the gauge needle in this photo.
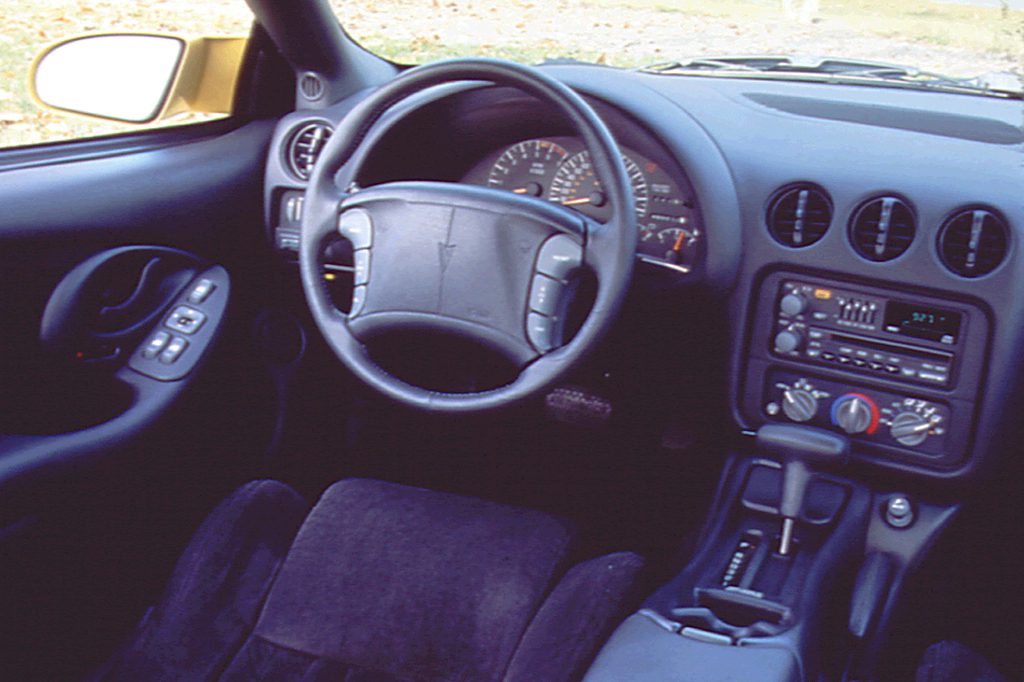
(577, 201)
(678, 246)
(520, 190)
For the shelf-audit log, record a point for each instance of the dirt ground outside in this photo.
(949, 37)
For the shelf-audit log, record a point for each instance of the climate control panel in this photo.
(865, 414)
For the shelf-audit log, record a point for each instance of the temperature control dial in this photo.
(855, 413)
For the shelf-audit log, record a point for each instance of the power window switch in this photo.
(201, 291)
(185, 320)
(155, 344)
(173, 350)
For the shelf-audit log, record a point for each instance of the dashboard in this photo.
(860, 241)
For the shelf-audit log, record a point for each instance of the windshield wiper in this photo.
(832, 70)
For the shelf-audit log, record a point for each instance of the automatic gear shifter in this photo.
(799, 448)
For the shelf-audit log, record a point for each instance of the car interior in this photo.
(483, 371)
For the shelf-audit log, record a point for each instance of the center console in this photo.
(801, 562)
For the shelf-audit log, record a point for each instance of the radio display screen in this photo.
(922, 322)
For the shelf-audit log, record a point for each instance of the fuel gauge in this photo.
(672, 245)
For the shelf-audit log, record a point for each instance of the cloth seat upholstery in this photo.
(378, 582)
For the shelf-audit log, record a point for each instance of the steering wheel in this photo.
(480, 263)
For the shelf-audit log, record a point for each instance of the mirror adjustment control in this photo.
(185, 320)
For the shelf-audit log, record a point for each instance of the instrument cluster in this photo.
(559, 169)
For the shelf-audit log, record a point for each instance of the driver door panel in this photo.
(104, 470)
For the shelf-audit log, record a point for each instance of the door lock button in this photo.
(201, 291)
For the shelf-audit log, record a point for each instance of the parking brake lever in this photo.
(799, 448)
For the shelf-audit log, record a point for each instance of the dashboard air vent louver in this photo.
(799, 215)
(305, 146)
(882, 229)
(974, 242)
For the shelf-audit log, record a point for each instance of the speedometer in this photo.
(527, 167)
(576, 185)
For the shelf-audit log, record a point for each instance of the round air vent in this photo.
(882, 228)
(311, 86)
(304, 148)
(973, 243)
(799, 215)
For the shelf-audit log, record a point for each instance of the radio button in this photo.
(828, 356)
(877, 366)
(788, 341)
(792, 304)
(844, 360)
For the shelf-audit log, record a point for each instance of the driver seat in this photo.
(378, 582)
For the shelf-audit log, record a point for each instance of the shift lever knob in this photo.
(799, 448)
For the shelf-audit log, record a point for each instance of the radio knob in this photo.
(799, 405)
(909, 428)
(792, 304)
(788, 340)
(855, 413)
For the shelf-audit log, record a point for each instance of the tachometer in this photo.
(527, 167)
(576, 185)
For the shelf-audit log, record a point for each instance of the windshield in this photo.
(956, 38)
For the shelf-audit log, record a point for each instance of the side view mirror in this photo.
(137, 77)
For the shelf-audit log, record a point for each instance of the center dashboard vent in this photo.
(973, 242)
(882, 229)
(799, 215)
(304, 148)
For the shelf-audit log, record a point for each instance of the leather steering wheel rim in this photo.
(608, 248)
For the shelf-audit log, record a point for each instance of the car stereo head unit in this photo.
(893, 337)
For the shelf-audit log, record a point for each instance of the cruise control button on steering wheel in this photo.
(559, 256)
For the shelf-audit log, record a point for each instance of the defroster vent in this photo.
(799, 215)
